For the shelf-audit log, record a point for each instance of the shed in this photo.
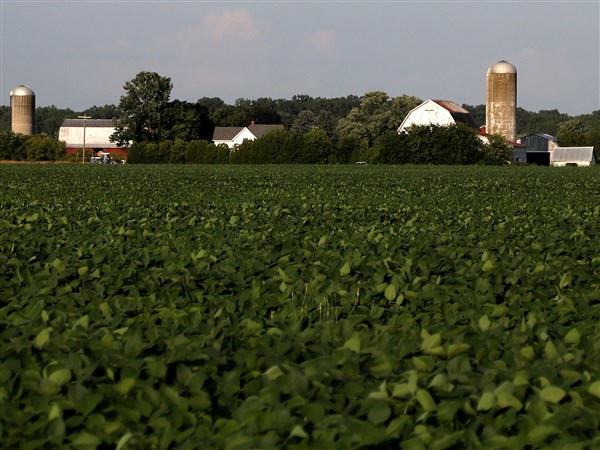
(534, 144)
(573, 156)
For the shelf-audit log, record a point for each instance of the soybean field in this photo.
(325, 307)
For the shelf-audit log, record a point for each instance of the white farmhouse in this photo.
(437, 112)
(233, 136)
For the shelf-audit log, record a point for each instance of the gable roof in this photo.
(229, 133)
(226, 133)
(546, 136)
(573, 154)
(259, 130)
(458, 113)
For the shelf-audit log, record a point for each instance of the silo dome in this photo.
(503, 67)
(22, 104)
(22, 89)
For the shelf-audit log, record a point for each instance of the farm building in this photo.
(572, 156)
(97, 136)
(535, 148)
(437, 112)
(232, 136)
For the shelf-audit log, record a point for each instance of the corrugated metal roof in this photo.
(451, 106)
(573, 154)
(548, 137)
(98, 123)
(458, 113)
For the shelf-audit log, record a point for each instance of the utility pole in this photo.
(84, 117)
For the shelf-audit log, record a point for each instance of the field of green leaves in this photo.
(299, 307)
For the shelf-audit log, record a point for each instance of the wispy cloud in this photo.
(322, 43)
(231, 24)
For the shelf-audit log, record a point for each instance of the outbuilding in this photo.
(573, 156)
(536, 148)
(97, 136)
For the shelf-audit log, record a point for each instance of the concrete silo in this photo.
(501, 100)
(22, 104)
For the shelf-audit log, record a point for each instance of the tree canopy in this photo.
(376, 115)
(144, 109)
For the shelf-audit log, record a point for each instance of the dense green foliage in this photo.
(376, 115)
(583, 130)
(425, 144)
(17, 147)
(528, 122)
(319, 307)
(419, 145)
(144, 110)
(303, 112)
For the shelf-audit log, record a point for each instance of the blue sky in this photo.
(78, 54)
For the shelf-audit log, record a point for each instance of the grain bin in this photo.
(501, 100)
(22, 104)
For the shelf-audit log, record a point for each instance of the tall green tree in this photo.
(211, 103)
(103, 112)
(231, 116)
(317, 148)
(376, 115)
(144, 109)
(188, 121)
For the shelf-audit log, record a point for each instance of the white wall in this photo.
(427, 113)
(95, 137)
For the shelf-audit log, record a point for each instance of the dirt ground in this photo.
(6, 161)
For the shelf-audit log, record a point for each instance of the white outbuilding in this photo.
(572, 156)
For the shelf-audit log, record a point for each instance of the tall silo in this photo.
(22, 104)
(501, 100)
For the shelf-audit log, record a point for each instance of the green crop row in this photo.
(293, 307)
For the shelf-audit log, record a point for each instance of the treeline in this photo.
(455, 144)
(303, 112)
(17, 147)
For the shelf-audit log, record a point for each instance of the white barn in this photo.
(233, 136)
(572, 156)
(97, 133)
(437, 112)
(97, 136)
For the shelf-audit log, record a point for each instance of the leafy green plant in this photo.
(299, 306)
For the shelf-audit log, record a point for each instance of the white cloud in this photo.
(322, 43)
(231, 24)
